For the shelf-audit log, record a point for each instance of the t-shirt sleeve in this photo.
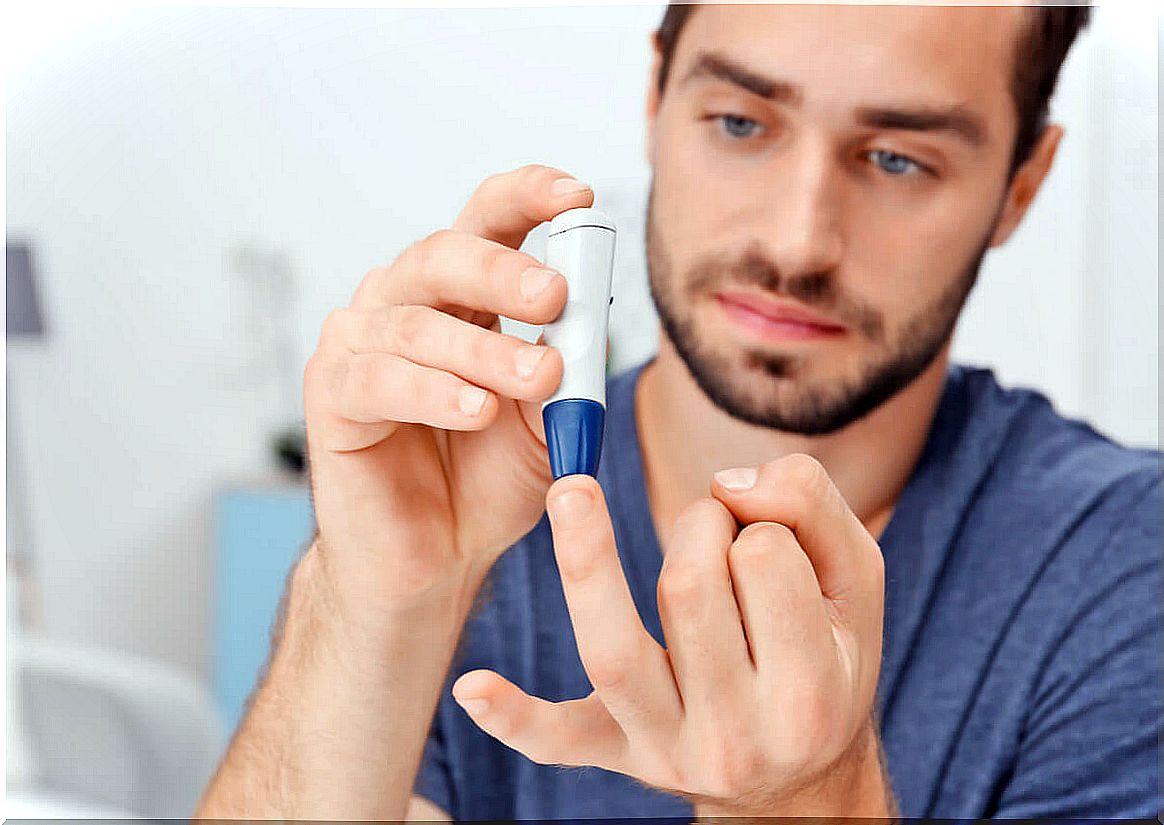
(1089, 746)
(433, 779)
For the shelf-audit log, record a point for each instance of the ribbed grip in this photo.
(574, 436)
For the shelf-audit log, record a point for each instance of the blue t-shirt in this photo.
(1020, 674)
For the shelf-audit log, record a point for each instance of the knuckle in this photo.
(699, 512)
(413, 257)
(709, 519)
(376, 277)
(679, 585)
(751, 547)
(426, 253)
(491, 182)
(439, 237)
(410, 325)
(534, 172)
(612, 669)
(761, 548)
(805, 474)
(335, 326)
(762, 537)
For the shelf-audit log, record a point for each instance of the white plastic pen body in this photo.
(580, 246)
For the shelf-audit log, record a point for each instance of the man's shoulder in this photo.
(1038, 442)
(1046, 467)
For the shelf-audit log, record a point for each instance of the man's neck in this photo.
(685, 438)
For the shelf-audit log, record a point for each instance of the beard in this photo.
(772, 389)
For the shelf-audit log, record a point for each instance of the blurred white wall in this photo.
(145, 147)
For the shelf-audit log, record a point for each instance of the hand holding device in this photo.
(424, 421)
(427, 459)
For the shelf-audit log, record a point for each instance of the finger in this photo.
(531, 411)
(456, 269)
(797, 492)
(506, 206)
(701, 621)
(375, 387)
(575, 732)
(628, 668)
(505, 364)
(783, 611)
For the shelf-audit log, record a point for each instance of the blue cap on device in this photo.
(574, 435)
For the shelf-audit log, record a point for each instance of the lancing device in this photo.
(580, 246)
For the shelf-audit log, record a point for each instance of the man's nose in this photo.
(805, 233)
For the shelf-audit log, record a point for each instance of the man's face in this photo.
(813, 231)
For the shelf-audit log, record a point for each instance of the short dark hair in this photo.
(1041, 51)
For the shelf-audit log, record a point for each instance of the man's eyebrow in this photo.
(956, 119)
(710, 64)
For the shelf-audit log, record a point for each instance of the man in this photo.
(825, 572)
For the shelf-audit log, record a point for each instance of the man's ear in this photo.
(1027, 180)
(653, 98)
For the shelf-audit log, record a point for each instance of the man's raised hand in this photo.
(761, 702)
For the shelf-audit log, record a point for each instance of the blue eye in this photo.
(893, 163)
(731, 122)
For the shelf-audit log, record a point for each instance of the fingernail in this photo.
(527, 359)
(572, 505)
(474, 707)
(568, 186)
(535, 280)
(471, 399)
(737, 478)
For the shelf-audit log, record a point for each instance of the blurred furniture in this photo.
(22, 303)
(24, 321)
(260, 532)
(109, 734)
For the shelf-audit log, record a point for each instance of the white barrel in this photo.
(581, 246)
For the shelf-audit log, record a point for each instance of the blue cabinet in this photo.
(260, 533)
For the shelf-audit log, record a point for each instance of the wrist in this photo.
(339, 719)
(355, 601)
(325, 620)
(855, 786)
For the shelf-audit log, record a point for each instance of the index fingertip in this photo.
(571, 498)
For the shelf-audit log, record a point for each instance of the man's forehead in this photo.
(959, 54)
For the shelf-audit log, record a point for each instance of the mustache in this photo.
(819, 290)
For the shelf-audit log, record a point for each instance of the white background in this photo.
(143, 149)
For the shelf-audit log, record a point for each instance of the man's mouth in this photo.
(775, 319)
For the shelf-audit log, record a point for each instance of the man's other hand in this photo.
(771, 598)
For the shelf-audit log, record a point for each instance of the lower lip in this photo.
(772, 329)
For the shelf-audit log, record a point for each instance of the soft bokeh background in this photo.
(198, 187)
